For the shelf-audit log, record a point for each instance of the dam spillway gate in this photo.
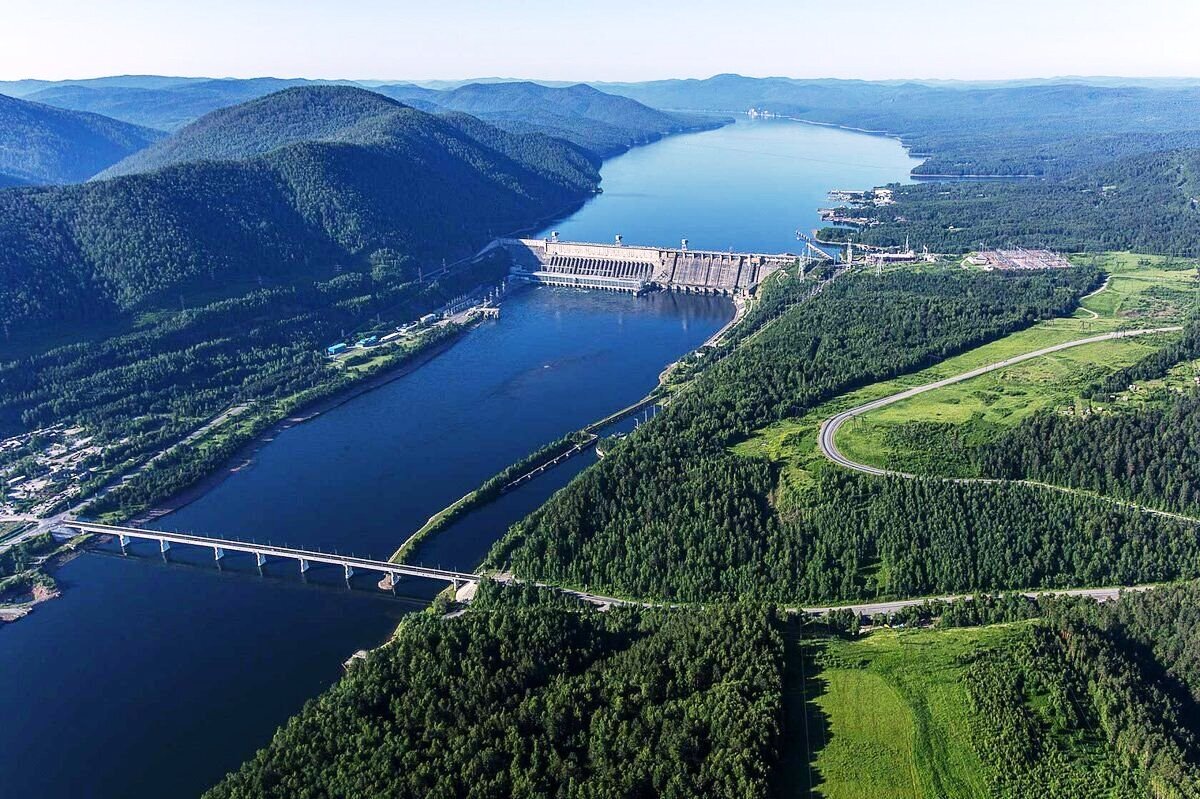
(620, 267)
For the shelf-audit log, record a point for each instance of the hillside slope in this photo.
(602, 123)
(166, 105)
(1148, 203)
(1046, 129)
(40, 144)
(328, 175)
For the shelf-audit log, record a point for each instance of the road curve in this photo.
(829, 428)
(1092, 314)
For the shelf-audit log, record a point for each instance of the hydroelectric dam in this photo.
(637, 269)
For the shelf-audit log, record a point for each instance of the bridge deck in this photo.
(271, 550)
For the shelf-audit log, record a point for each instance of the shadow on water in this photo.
(806, 728)
(412, 592)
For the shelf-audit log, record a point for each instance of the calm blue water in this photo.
(153, 678)
(747, 186)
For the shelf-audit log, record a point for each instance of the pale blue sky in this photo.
(599, 40)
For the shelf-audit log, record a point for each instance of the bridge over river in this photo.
(305, 558)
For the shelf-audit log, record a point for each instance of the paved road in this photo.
(1104, 594)
(1092, 314)
(830, 427)
(871, 608)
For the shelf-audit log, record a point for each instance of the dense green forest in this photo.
(526, 695)
(116, 246)
(346, 115)
(1122, 673)
(1148, 453)
(1146, 203)
(530, 694)
(42, 144)
(1132, 437)
(670, 511)
(1151, 456)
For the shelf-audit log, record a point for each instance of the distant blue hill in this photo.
(42, 144)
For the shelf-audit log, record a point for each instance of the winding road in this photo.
(827, 439)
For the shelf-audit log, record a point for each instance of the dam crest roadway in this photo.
(638, 269)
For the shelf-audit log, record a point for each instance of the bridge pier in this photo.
(220, 547)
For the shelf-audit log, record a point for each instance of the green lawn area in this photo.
(982, 408)
(1142, 292)
(899, 717)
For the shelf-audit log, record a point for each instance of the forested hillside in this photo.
(600, 123)
(41, 145)
(528, 694)
(525, 696)
(672, 512)
(1146, 203)
(113, 246)
(1087, 700)
(162, 103)
(1148, 453)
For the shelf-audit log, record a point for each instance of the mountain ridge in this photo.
(391, 181)
(42, 144)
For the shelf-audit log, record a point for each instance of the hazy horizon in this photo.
(622, 41)
(427, 79)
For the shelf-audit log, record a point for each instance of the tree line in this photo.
(526, 695)
(671, 512)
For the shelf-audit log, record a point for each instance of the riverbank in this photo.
(41, 575)
(908, 148)
(554, 453)
(362, 477)
(495, 487)
(243, 457)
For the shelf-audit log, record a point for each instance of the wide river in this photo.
(155, 678)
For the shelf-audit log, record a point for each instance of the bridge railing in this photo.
(262, 551)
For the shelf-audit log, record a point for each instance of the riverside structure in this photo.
(201, 668)
(348, 563)
(636, 269)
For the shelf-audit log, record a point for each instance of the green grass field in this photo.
(982, 408)
(898, 717)
(925, 714)
(1143, 291)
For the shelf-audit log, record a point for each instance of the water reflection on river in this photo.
(149, 678)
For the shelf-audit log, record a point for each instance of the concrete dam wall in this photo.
(632, 268)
